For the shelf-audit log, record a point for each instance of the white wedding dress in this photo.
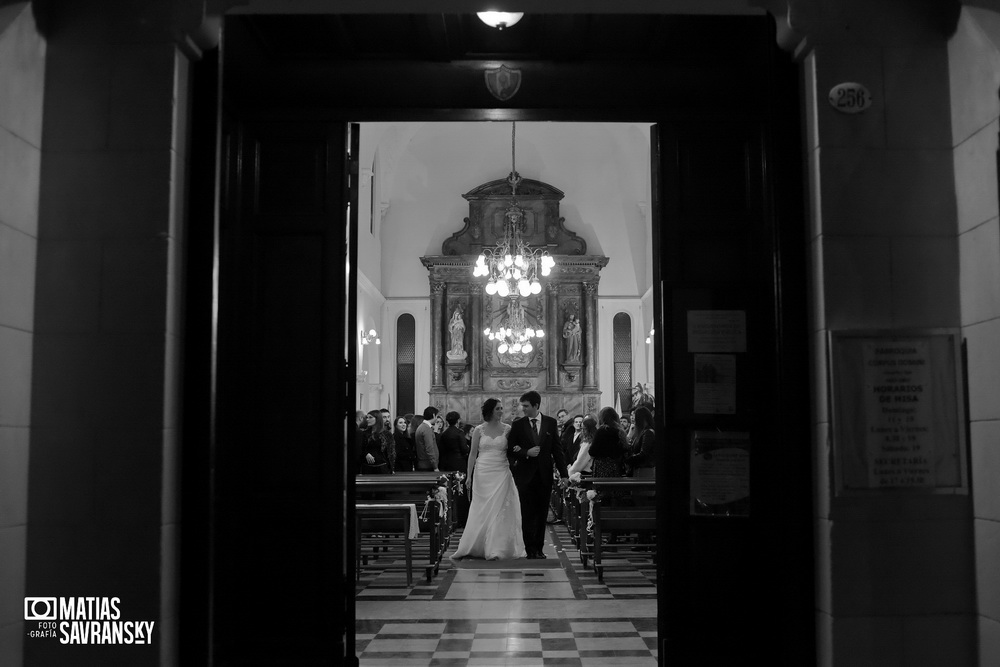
(493, 529)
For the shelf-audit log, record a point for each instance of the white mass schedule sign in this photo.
(897, 411)
(899, 414)
(717, 331)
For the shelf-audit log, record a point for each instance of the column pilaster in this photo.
(475, 367)
(437, 308)
(590, 335)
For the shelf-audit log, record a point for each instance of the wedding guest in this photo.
(378, 448)
(609, 446)
(424, 441)
(452, 445)
(571, 437)
(583, 462)
(641, 456)
(562, 419)
(406, 455)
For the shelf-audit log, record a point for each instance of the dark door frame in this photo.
(775, 104)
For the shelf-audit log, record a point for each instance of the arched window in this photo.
(622, 334)
(406, 357)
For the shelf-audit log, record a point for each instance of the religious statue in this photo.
(571, 334)
(457, 329)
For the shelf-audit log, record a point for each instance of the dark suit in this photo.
(533, 475)
(454, 450)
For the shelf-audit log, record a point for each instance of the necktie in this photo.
(534, 431)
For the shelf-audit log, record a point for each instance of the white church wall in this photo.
(602, 169)
(607, 308)
(419, 308)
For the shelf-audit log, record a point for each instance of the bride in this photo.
(493, 528)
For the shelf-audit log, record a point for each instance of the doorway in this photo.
(726, 190)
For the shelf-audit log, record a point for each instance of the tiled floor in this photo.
(524, 613)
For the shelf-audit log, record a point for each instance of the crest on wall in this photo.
(503, 82)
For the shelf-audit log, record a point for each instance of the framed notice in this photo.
(720, 473)
(897, 411)
(716, 331)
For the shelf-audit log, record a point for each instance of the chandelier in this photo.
(514, 335)
(512, 266)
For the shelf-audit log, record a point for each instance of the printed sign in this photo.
(897, 411)
(717, 331)
(720, 473)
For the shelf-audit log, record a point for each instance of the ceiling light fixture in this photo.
(500, 20)
(512, 266)
(514, 335)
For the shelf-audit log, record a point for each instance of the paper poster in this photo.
(720, 473)
(899, 413)
(715, 384)
(717, 331)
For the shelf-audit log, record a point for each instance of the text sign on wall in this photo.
(720, 473)
(897, 411)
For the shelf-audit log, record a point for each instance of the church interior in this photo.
(228, 226)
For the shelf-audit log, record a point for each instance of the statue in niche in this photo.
(457, 329)
(571, 334)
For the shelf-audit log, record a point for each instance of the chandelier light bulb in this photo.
(527, 348)
(502, 288)
(530, 333)
(517, 274)
(508, 260)
(536, 287)
(519, 260)
(540, 334)
(491, 288)
(523, 287)
(517, 347)
(503, 348)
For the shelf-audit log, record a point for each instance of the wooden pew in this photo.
(413, 487)
(387, 519)
(612, 515)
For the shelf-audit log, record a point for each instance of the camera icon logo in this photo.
(41, 609)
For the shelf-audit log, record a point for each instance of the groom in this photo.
(532, 447)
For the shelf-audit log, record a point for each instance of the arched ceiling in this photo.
(424, 168)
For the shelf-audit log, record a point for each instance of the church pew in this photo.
(386, 519)
(414, 487)
(615, 513)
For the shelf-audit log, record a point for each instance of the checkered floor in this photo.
(519, 615)
(548, 641)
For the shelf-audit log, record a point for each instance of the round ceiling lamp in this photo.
(499, 20)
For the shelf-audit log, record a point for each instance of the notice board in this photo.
(898, 411)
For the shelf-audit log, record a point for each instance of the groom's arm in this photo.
(514, 443)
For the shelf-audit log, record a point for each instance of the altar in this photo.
(467, 367)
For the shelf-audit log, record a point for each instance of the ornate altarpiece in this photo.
(565, 375)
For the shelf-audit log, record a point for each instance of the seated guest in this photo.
(406, 455)
(379, 448)
(452, 447)
(586, 433)
(641, 457)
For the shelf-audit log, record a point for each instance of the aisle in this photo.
(521, 612)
